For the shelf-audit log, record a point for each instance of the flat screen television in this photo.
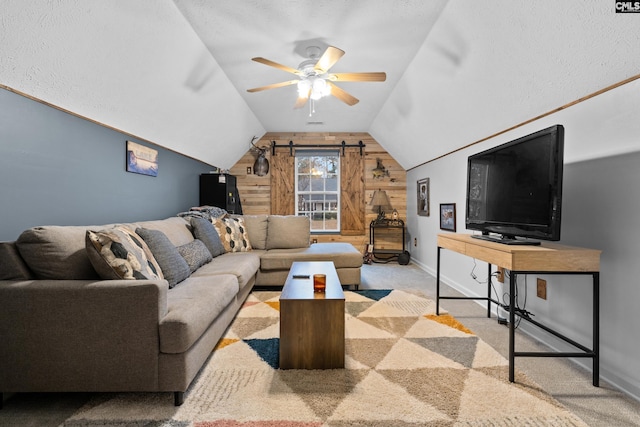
(514, 190)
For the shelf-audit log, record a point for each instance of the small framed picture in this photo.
(448, 216)
(423, 197)
(141, 159)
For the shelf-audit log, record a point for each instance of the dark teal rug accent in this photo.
(374, 294)
(268, 350)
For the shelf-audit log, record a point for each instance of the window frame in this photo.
(337, 192)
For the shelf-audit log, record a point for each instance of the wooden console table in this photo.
(548, 258)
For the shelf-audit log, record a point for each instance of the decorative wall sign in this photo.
(380, 171)
(423, 197)
(448, 216)
(141, 159)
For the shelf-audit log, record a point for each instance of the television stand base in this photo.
(506, 240)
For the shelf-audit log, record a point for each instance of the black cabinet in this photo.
(219, 189)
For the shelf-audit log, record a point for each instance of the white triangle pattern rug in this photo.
(404, 367)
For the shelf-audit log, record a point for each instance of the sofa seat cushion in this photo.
(191, 307)
(343, 255)
(243, 265)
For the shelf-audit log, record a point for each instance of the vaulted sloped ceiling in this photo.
(176, 72)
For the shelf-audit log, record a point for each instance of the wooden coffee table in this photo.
(311, 324)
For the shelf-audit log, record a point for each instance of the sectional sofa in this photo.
(139, 306)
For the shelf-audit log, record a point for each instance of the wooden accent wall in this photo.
(255, 191)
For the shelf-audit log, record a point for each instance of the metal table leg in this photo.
(438, 282)
(512, 325)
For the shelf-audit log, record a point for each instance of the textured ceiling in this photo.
(176, 72)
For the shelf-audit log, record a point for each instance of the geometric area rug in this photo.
(404, 367)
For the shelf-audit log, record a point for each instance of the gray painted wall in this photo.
(56, 168)
(601, 206)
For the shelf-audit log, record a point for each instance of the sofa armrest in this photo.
(80, 335)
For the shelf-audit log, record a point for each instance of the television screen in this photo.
(515, 189)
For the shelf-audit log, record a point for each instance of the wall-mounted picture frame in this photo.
(423, 197)
(141, 159)
(448, 216)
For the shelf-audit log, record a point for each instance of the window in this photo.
(318, 189)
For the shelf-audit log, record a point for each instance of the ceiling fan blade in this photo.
(276, 65)
(343, 95)
(328, 59)
(273, 86)
(301, 102)
(358, 77)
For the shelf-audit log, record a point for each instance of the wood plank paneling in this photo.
(282, 184)
(352, 193)
(255, 192)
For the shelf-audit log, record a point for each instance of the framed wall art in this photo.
(448, 216)
(141, 159)
(423, 197)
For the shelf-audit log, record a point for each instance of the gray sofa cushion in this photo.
(56, 252)
(195, 253)
(192, 308)
(119, 253)
(203, 230)
(175, 228)
(12, 266)
(243, 265)
(288, 232)
(174, 267)
(343, 255)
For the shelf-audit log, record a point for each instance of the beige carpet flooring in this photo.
(565, 381)
(569, 383)
(404, 367)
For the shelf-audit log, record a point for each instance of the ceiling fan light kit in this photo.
(314, 88)
(315, 81)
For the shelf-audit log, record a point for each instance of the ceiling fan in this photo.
(315, 81)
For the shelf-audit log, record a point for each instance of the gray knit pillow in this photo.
(203, 230)
(174, 268)
(195, 253)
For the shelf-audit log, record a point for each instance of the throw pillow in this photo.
(118, 253)
(288, 232)
(256, 226)
(195, 253)
(203, 230)
(233, 234)
(174, 268)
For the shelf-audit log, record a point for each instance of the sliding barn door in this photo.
(282, 184)
(352, 193)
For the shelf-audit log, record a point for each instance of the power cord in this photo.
(493, 287)
(521, 311)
